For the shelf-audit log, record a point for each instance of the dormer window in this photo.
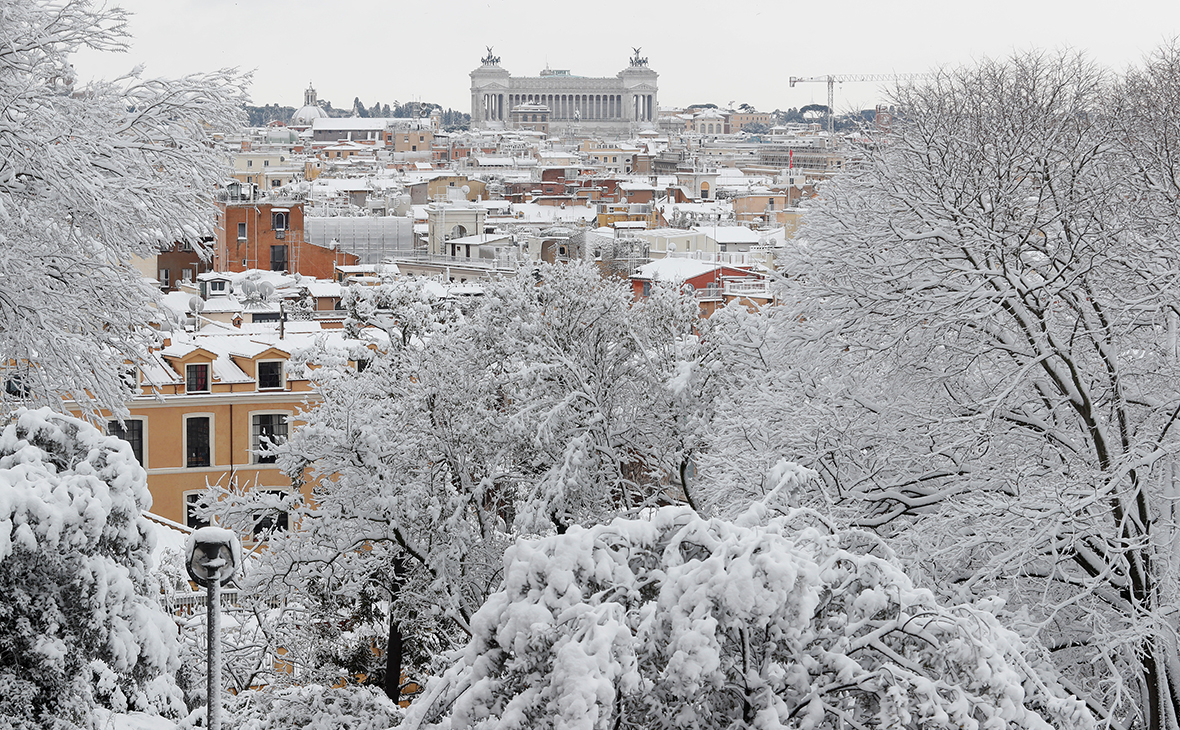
(270, 375)
(217, 287)
(196, 378)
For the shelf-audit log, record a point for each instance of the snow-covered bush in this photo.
(313, 707)
(79, 625)
(683, 622)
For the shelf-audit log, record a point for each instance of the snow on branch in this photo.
(682, 622)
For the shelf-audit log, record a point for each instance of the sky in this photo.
(705, 52)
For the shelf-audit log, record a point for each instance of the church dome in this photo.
(310, 111)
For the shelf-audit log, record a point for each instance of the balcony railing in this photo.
(708, 294)
(748, 289)
(730, 258)
(500, 263)
(190, 603)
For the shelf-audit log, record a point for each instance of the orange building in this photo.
(712, 284)
(209, 400)
(255, 234)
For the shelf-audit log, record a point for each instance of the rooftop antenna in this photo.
(196, 305)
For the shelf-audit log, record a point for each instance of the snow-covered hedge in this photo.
(79, 624)
(314, 707)
(683, 622)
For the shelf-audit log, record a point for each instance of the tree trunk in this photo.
(394, 646)
(393, 660)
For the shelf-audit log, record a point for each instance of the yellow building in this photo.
(413, 140)
(267, 169)
(209, 400)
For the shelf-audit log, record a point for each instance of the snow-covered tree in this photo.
(677, 621)
(92, 176)
(79, 624)
(540, 405)
(984, 357)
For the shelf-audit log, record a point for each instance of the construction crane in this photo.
(833, 79)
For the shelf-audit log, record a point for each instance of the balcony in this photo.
(708, 294)
(759, 289)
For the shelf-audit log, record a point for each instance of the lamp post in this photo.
(212, 556)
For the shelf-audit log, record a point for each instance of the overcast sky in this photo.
(716, 52)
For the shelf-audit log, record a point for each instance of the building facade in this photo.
(576, 104)
(268, 234)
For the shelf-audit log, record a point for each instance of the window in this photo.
(249, 163)
(186, 274)
(270, 374)
(278, 258)
(191, 499)
(196, 442)
(279, 221)
(196, 378)
(129, 374)
(217, 286)
(270, 519)
(276, 183)
(15, 385)
(241, 231)
(647, 288)
(267, 428)
(164, 280)
(266, 163)
(130, 431)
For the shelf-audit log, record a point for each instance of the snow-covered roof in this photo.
(320, 288)
(351, 124)
(548, 213)
(674, 270)
(729, 234)
(225, 343)
(480, 239)
(494, 161)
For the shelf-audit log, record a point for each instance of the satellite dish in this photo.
(466, 189)
(248, 288)
(671, 247)
(196, 304)
(265, 289)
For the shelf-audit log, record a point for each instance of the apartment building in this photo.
(256, 233)
(210, 400)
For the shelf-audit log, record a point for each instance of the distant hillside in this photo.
(452, 119)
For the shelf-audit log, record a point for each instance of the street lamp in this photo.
(212, 556)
